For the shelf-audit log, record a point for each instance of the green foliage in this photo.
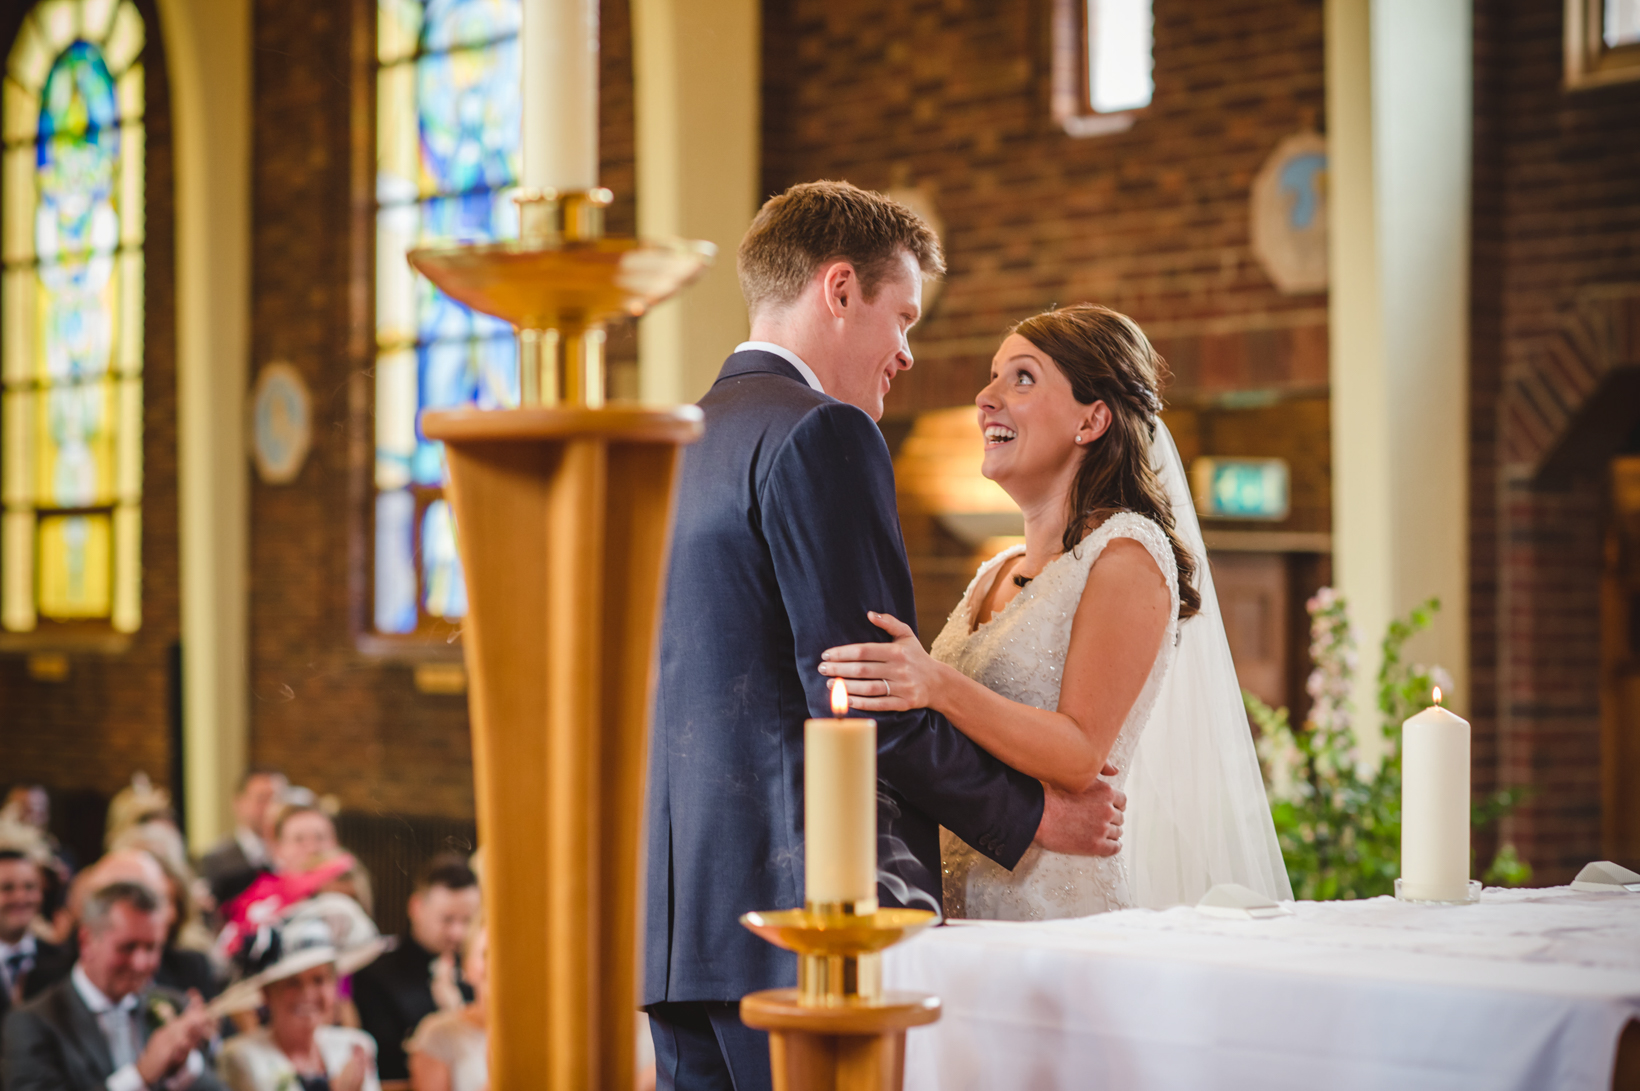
(1338, 821)
(1508, 869)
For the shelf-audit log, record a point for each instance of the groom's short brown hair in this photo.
(813, 223)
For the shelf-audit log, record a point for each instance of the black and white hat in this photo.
(328, 929)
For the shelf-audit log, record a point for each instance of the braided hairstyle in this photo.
(1107, 358)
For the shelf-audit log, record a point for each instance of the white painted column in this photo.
(1399, 132)
(208, 56)
(697, 82)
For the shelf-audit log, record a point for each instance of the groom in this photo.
(787, 534)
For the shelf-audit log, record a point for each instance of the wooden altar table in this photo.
(1528, 989)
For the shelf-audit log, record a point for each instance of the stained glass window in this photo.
(71, 306)
(447, 155)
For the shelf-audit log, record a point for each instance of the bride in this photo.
(1097, 643)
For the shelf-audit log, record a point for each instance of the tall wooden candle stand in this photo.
(562, 508)
(838, 1030)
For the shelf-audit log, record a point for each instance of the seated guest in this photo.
(187, 963)
(179, 969)
(137, 804)
(182, 888)
(20, 896)
(302, 833)
(235, 861)
(397, 992)
(30, 805)
(449, 1051)
(107, 1027)
(301, 1046)
(306, 859)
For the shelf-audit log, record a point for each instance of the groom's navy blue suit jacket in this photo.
(786, 535)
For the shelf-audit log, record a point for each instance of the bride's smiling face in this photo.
(1035, 429)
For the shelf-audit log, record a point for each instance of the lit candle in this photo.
(840, 808)
(1435, 806)
(560, 61)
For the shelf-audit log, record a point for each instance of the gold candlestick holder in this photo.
(839, 1030)
(562, 508)
(560, 283)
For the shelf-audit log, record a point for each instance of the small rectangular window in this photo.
(1102, 63)
(1622, 23)
(1602, 42)
(1119, 55)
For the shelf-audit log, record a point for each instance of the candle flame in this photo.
(1437, 694)
(839, 698)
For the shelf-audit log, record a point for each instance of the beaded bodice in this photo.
(1020, 653)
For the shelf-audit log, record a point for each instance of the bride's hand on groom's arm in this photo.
(889, 677)
(1085, 823)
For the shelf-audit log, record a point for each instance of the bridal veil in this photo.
(1197, 812)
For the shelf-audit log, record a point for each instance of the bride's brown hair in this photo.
(1107, 358)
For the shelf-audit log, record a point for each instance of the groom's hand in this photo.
(1083, 823)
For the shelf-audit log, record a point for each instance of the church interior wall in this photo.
(1152, 221)
(1557, 219)
(82, 716)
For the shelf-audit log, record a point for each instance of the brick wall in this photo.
(87, 734)
(954, 98)
(1557, 256)
(329, 714)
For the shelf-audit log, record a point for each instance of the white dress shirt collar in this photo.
(118, 1022)
(24, 946)
(785, 354)
(94, 997)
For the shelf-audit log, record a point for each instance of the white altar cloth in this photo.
(1529, 989)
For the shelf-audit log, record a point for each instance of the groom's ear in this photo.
(841, 286)
(1095, 422)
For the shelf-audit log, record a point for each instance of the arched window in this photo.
(447, 153)
(71, 316)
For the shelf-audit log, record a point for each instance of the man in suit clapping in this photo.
(105, 1027)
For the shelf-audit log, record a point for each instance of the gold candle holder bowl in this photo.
(559, 283)
(830, 935)
(838, 1029)
(589, 282)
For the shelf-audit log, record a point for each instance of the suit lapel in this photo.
(81, 1031)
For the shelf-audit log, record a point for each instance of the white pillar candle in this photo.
(1435, 806)
(840, 808)
(559, 39)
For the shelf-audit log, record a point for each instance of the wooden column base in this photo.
(848, 1047)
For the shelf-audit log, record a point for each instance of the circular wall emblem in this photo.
(281, 423)
(1289, 214)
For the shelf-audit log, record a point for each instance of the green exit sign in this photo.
(1241, 488)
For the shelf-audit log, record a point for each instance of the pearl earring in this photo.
(1079, 439)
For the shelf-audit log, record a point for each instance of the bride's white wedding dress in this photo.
(1197, 812)
(1020, 653)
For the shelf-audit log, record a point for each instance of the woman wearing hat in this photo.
(297, 965)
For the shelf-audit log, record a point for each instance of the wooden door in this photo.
(1620, 666)
(1253, 596)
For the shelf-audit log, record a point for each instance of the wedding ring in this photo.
(887, 692)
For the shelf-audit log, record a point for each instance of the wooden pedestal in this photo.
(849, 1047)
(563, 518)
